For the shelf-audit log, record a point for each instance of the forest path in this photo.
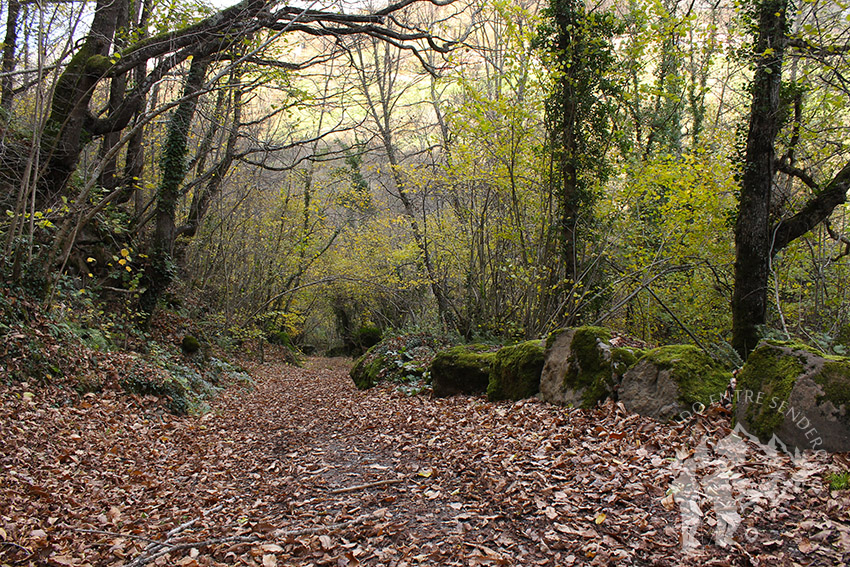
(303, 469)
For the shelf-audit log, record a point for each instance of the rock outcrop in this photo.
(515, 372)
(581, 368)
(797, 395)
(461, 370)
(671, 380)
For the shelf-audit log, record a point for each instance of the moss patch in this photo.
(462, 370)
(624, 358)
(590, 365)
(772, 368)
(699, 379)
(515, 373)
(835, 381)
(190, 344)
(365, 372)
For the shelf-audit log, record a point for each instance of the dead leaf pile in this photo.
(307, 470)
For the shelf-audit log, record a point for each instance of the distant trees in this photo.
(112, 85)
(316, 170)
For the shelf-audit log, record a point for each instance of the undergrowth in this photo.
(86, 345)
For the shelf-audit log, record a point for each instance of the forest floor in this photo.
(303, 469)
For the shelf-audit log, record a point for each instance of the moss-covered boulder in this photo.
(190, 345)
(400, 359)
(366, 370)
(515, 373)
(462, 370)
(578, 368)
(670, 380)
(796, 394)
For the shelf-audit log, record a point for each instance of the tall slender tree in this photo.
(579, 43)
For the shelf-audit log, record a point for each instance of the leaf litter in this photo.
(306, 470)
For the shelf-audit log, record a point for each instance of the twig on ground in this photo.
(19, 546)
(155, 548)
(367, 485)
(318, 529)
(119, 534)
(156, 554)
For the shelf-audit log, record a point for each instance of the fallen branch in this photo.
(155, 548)
(367, 485)
(245, 539)
(118, 534)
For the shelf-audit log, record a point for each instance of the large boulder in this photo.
(399, 359)
(671, 380)
(515, 373)
(366, 370)
(461, 370)
(581, 369)
(796, 394)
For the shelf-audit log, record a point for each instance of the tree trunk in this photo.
(65, 134)
(752, 228)
(9, 44)
(160, 272)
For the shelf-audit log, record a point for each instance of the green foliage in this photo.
(671, 224)
(839, 481)
(280, 338)
(579, 52)
(186, 386)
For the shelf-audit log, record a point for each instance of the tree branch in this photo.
(818, 50)
(815, 211)
(785, 167)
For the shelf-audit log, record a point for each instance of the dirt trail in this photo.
(271, 477)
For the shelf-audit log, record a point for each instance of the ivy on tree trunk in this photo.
(160, 272)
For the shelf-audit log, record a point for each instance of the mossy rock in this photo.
(366, 370)
(462, 370)
(623, 358)
(190, 344)
(366, 337)
(581, 369)
(793, 394)
(400, 359)
(671, 380)
(515, 373)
